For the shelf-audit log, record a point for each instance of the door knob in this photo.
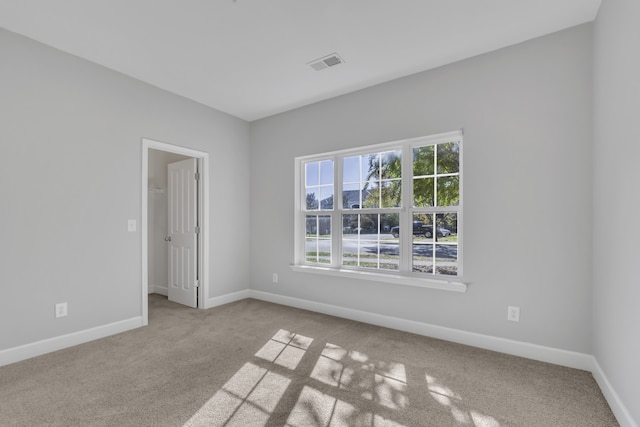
(167, 239)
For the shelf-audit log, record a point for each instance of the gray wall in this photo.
(70, 173)
(70, 178)
(616, 203)
(526, 112)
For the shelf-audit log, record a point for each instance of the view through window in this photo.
(394, 207)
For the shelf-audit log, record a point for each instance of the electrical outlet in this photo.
(513, 314)
(61, 309)
(275, 277)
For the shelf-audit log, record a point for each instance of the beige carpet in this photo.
(252, 363)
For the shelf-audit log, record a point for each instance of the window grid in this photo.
(374, 257)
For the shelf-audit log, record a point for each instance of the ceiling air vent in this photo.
(326, 62)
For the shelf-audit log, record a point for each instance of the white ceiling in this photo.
(249, 58)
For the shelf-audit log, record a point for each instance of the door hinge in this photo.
(197, 176)
(197, 229)
(197, 284)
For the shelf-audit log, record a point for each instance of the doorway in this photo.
(155, 278)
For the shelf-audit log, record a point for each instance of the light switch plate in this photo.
(131, 225)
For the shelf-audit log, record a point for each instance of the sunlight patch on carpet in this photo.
(447, 397)
(315, 408)
(251, 396)
(382, 382)
(285, 349)
(248, 398)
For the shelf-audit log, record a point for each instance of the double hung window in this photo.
(392, 209)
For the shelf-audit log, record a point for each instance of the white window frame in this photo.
(405, 275)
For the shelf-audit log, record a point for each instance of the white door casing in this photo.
(182, 233)
(203, 218)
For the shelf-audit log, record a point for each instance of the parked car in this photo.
(420, 229)
(443, 232)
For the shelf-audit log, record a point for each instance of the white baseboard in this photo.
(158, 289)
(502, 345)
(556, 356)
(227, 298)
(617, 407)
(49, 345)
(531, 351)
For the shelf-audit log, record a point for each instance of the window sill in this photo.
(398, 279)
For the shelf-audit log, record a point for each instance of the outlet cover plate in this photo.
(61, 309)
(513, 314)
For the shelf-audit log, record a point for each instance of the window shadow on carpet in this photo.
(338, 387)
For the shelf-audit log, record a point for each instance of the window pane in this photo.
(367, 242)
(371, 195)
(391, 194)
(351, 169)
(387, 224)
(326, 172)
(423, 160)
(448, 158)
(422, 256)
(391, 165)
(351, 196)
(362, 185)
(350, 239)
(349, 224)
(319, 185)
(447, 260)
(423, 225)
(358, 168)
(318, 239)
(423, 192)
(312, 198)
(422, 246)
(385, 194)
(370, 166)
(440, 250)
(354, 186)
(448, 191)
(368, 225)
(311, 174)
(326, 197)
(447, 227)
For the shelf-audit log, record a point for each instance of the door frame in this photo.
(203, 213)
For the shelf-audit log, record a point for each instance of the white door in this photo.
(183, 242)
